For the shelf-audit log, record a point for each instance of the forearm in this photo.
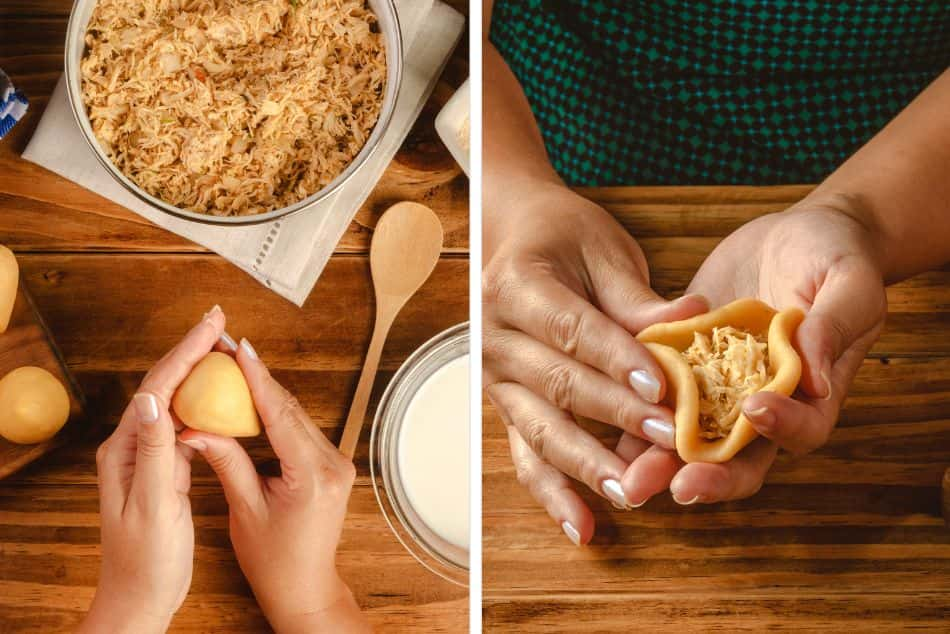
(514, 157)
(899, 184)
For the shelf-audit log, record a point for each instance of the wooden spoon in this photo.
(406, 247)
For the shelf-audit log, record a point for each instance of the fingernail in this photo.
(825, 372)
(214, 310)
(249, 349)
(646, 385)
(614, 493)
(686, 298)
(677, 500)
(571, 533)
(659, 431)
(229, 342)
(194, 443)
(146, 406)
(762, 418)
(638, 505)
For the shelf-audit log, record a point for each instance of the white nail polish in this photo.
(646, 385)
(249, 349)
(146, 406)
(229, 342)
(614, 493)
(571, 533)
(693, 501)
(659, 431)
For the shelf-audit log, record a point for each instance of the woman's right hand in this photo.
(566, 289)
(285, 530)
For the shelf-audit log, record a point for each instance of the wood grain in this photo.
(848, 537)
(118, 292)
(27, 342)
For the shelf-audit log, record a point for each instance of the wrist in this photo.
(336, 611)
(859, 209)
(116, 616)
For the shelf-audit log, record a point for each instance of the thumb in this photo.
(155, 451)
(232, 465)
(849, 304)
(634, 305)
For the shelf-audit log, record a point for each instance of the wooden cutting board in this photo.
(27, 341)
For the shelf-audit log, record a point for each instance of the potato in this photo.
(215, 398)
(34, 405)
(9, 280)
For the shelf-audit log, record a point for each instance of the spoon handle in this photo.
(354, 421)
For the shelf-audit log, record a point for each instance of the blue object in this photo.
(13, 105)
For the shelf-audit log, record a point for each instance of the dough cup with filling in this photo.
(713, 362)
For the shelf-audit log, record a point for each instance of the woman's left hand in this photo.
(821, 255)
(144, 474)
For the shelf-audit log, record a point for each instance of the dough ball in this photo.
(34, 405)
(9, 280)
(215, 398)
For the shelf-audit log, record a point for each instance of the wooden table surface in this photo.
(848, 537)
(118, 292)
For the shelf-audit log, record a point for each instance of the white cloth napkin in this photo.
(286, 255)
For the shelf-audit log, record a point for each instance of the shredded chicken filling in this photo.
(233, 107)
(728, 366)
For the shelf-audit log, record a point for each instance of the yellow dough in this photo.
(667, 342)
(215, 398)
(9, 280)
(34, 405)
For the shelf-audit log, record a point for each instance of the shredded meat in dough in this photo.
(728, 367)
(233, 107)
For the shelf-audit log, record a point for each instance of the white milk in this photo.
(433, 457)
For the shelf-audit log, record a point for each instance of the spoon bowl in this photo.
(405, 249)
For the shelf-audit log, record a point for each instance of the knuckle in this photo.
(333, 480)
(626, 411)
(558, 382)
(151, 446)
(499, 282)
(524, 473)
(221, 463)
(535, 432)
(494, 343)
(289, 409)
(564, 330)
(587, 469)
(637, 295)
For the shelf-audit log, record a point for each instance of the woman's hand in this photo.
(285, 530)
(147, 534)
(565, 290)
(821, 256)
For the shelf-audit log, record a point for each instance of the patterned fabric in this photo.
(13, 105)
(716, 92)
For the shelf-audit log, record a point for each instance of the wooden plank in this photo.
(123, 312)
(50, 539)
(742, 612)
(27, 342)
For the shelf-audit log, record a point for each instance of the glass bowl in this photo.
(440, 556)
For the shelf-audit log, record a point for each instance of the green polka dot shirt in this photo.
(716, 92)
